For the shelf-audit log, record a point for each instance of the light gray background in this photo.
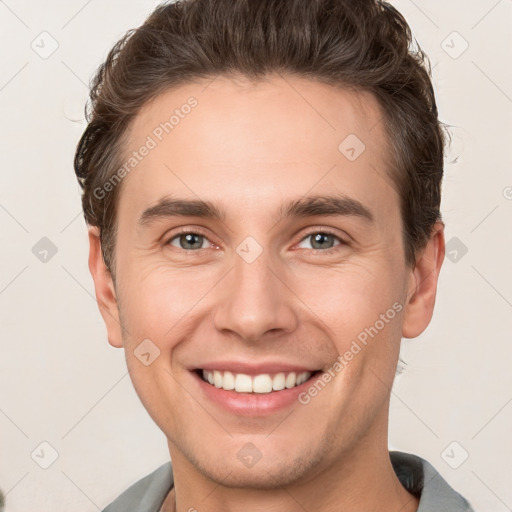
(60, 381)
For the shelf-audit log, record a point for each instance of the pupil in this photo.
(189, 239)
(319, 238)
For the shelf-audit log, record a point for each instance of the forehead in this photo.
(248, 141)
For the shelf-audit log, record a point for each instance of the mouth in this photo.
(263, 383)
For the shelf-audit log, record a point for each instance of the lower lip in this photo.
(252, 404)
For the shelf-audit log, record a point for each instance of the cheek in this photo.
(361, 311)
(348, 300)
(157, 310)
(158, 301)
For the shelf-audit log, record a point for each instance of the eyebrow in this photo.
(304, 207)
(169, 207)
(325, 205)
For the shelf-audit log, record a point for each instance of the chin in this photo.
(270, 471)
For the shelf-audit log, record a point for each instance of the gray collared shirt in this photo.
(415, 474)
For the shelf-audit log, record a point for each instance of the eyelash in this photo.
(342, 242)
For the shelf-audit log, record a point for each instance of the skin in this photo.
(247, 148)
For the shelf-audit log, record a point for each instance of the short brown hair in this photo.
(356, 44)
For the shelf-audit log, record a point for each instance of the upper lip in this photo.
(255, 369)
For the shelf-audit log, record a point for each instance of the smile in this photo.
(262, 383)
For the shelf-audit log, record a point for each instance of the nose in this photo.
(255, 301)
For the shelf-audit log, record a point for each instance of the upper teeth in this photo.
(264, 383)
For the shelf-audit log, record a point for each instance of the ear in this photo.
(421, 295)
(104, 288)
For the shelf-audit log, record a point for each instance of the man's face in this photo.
(263, 290)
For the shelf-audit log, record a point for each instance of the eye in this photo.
(321, 240)
(189, 241)
(318, 240)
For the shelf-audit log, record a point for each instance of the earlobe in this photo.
(422, 290)
(104, 289)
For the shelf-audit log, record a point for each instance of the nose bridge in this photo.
(254, 300)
